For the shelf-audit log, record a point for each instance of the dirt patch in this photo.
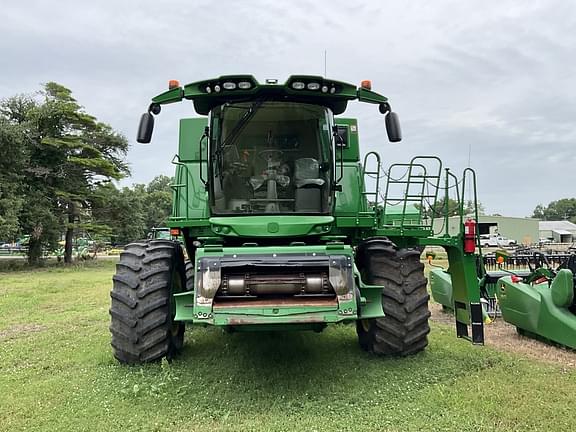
(20, 330)
(503, 336)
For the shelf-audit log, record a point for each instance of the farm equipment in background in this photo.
(286, 227)
(542, 304)
(83, 248)
(530, 290)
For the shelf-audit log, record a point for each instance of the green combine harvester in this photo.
(285, 227)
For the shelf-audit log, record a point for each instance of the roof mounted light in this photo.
(298, 85)
(271, 81)
(229, 85)
(366, 84)
(244, 85)
(313, 86)
(172, 84)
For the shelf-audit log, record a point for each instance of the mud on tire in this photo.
(142, 308)
(404, 329)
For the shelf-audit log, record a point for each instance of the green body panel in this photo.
(350, 152)
(348, 201)
(266, 226)
(191, 131)
(441, 287)
(396, 214)
(531, 308)
(190, 203)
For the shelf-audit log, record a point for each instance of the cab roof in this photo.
(312, 89)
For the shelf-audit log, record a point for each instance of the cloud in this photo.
(493, 81)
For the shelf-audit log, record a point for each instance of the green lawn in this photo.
(57, 373)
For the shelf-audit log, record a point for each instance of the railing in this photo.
(372, 174)
(411, 190)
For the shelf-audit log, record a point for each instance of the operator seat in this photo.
(308, 196)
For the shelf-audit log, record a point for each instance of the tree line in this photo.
(58, 164)
(57, 167)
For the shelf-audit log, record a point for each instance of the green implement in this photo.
(541, 305)
(286, 227)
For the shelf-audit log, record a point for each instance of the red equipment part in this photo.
(470, 236)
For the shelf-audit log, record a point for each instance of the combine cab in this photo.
(286, 227)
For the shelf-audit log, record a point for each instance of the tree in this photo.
(439, 208)
(131, 212)
(83, 151)
(563, 209)
(158, 201)
(61, 155)
(12, 165)
(122, 211)
(25, 203)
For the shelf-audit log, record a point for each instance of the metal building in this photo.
(558, 231)
(523, 230)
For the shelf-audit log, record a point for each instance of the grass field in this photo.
(57, 373)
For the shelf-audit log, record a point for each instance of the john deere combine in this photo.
(285, 227)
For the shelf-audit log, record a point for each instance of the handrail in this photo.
(416, 172)
(377, 172)
(176, 187)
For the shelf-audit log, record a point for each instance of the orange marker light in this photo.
(175, 231)
(172, 84)
(500, 259)
(366, 84)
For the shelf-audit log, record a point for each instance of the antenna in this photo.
(325, 55)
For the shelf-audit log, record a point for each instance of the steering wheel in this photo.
(270, 155)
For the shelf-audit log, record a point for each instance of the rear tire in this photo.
(143, 308)
(404, 329)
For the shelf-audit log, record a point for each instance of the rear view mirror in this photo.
(145, 129)
(393, 127)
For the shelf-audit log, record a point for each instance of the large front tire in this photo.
(142, 310)
(404, 328)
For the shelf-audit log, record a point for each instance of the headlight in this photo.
(211, 279)
(217, 88)
(208, 89)
(298, 85)
(244, 85)
(229, 85)
(313, 86)
(340, 274)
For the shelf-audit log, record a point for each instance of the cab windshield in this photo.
(271, 158)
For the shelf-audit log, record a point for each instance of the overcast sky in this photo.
(495, 80)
